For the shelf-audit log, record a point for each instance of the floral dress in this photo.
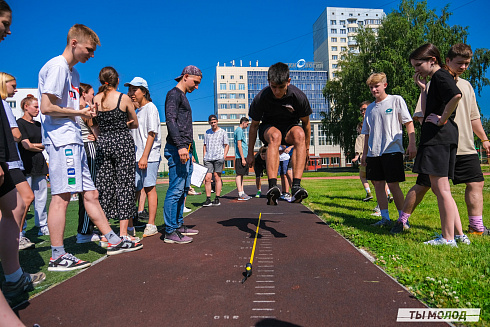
(115, 164)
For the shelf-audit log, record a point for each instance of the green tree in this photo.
(387, 50)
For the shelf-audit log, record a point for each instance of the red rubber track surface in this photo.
(304, 274)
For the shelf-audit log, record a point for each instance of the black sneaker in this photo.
(298, 195)
(67, 262)
(208, 203)
(390, 198)
(26, 283)
(368, 197)
(126, 245)
(137, 223)
(399, 227)
(272, 195)
(216, 202)
(143, 216)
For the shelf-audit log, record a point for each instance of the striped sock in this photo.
(476, 223)
(403, 217)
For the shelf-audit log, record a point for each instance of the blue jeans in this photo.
(179, 181)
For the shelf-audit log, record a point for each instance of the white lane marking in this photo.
(265, 301)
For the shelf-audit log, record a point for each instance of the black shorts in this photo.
(283, 129)
(423, 180)
(388, 167)
(239, 168)
(259, 170)
(8, 184)
(17, 176)
(467, 169)
(437, 160)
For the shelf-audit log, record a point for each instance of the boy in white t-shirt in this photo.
(383, 146)
(68, 169)
(148, 143)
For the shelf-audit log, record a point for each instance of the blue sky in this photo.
(155, 39)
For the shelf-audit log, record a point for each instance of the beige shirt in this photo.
(466, 111)
(359, 147)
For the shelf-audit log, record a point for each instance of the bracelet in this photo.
(484, 141)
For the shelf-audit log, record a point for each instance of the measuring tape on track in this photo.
(248, 267)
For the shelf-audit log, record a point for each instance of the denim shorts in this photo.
(146, 177)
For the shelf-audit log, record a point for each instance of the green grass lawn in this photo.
(438, 276)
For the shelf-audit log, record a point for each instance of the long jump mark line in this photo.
(248, 267)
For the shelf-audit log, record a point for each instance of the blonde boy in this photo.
(68, 170)
(383, 146)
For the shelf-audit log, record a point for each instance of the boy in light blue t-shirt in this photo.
(241, 149)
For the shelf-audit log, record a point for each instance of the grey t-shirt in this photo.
(215, 144)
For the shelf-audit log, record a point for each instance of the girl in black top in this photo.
(436, 154)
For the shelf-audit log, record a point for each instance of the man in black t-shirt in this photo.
(276, 112)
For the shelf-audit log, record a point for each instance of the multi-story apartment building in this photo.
(235, 88)
(334, 33)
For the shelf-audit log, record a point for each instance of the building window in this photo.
(232, 86)
(352, 29)
(223, 117)
(222, 86)
(222, 95)
(322, 138)
(232, 77)
(360, 23)
(200, 136)
(312, 136)
(241, 106)
(222, 76)
(342, 22)
(333, 22)
(343, 48)
(333, 31)
(325, 161)
(350, 15)
(232, 95)
(333, 39)
(334, 57)
(334, 66)
(232, 105)
(232, 116)
(230, 131)
(335, 160)
(222, 106)
(342, 31)
(241, 86)
(334, 75)
(241, 95)
(241, 76)
(334, 48)
(343, 39)
(229, 163)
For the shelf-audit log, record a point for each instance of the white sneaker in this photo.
(150, 230)
(187, 210)
(25, 243)
(43, 231)
(87, 238)
(244, 197)
(439, 240)
(462, 239)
